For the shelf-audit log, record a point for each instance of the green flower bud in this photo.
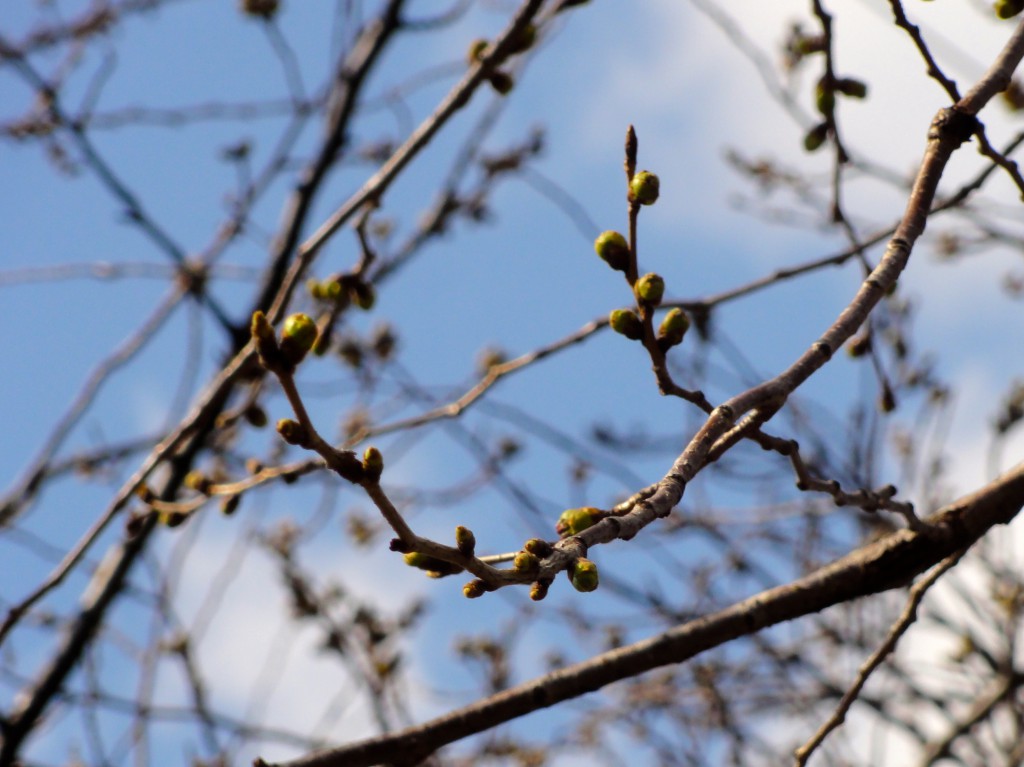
(198, 481)
(575, 521)
(502, 82)
(673, 327)
(474, 589)
(644, 188)
(229, 505)
(859, 345)
(173, 518)
(849, 86)
(315, 288)
(145, 493)
(525, 562)
(332, 290)
(256, 416)
(476, 51)
(373, 464)
(626, 322)
(292, 432)
(825, 97)
(584, 575)
(297, 337)
(432, 566)
(525, 40)
(816, 137)
(363, 295)
(613, 249)
(538, 546)
(266, 342)
(416, 559)
(649, 289)
(1007, 9)
(465, 541)
(539, 590)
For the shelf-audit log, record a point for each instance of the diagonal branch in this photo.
(886, 564)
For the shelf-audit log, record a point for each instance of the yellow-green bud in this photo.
(332, 290)
(525, 39)
(266, 342)
(1007, 9)
(649, 289)
(584, 575)
(465, 541)
(816, 137)
(673, 327)
(434, 567)
(525, 562)
(825, 97)
(538, 546)
(256, 416)
(297, 337)
(575, 521)
(626, 322)
(173, 518)
(539, 590)
(373, 464)
(474, 589)
(292, 432)
(198, 481)
(502, 82)
(363, 295)
(613, 249)
(859, 345)
(644, 188)
(416, 559)
(849, 86)
(315, 288)
(476, 51)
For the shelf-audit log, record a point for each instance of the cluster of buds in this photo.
(298, 335)
(343, 289)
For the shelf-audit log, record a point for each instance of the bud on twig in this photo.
(373, 464)
(465, 541)
(625, 322)
(650, 289)
(584, 575)
(575, 521)
(644, 188)
(613, 249)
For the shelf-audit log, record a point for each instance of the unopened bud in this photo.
(644, 188)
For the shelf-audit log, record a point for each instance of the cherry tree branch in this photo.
(889, 563)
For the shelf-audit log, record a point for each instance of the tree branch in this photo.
(886, 564)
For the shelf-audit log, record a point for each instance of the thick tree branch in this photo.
(889, 563)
